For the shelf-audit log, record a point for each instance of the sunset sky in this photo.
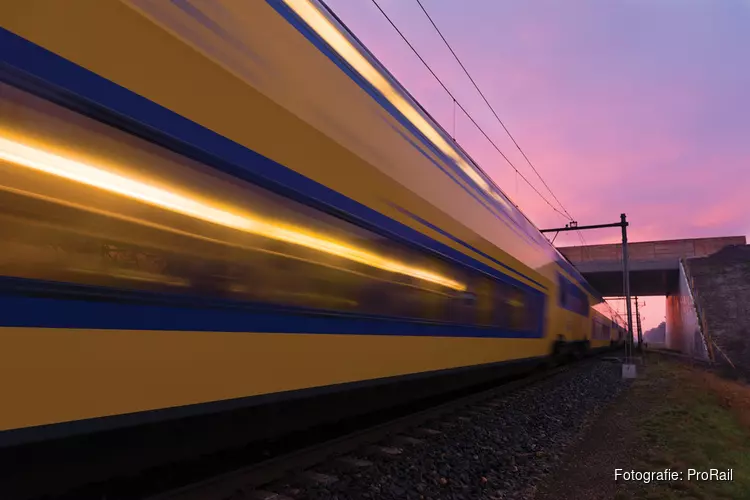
(634, 106)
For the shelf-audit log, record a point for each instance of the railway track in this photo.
(271, 479)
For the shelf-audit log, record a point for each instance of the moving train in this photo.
(212, 208)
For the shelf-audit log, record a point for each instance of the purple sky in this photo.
(635, 106)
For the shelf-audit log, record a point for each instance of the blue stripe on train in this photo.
(38, 70)
(40, 312)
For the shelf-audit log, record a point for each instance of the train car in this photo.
(608, 327)
(619, 332)
(619, 329)
(601, 330)
(213, 210)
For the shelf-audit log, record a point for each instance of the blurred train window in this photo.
(600, 329)
(571, 297)
(86, 203)
(516, 309)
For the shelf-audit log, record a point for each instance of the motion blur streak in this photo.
(42, 161)
(321, 25)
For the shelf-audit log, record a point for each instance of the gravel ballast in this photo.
(499, 449)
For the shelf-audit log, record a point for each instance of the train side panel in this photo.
(78, 374)
(165, 70)
(105, 291)
(400, 242)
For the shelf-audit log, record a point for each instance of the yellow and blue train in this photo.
(209, 206)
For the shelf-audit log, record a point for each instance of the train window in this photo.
(469, 299)
(85, 203)
(571, 297)
(600, 329)
(516, 309)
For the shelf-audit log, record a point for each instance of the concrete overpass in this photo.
(707, 300)
(654, 265)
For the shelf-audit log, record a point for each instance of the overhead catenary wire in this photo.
(468, 115)
(497, 117)
(489, 105)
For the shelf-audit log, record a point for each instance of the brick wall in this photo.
(721, 283)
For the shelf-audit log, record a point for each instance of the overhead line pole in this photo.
(573, 226)
(638, 324)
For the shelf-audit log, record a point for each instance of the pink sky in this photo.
(637, 106)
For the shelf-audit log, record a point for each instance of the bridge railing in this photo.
(708, 339)
(706, 347)
(712, 345)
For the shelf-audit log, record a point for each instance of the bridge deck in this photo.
(654, 265)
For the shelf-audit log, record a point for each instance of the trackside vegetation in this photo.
(689, 419)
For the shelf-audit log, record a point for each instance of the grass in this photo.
(689, 418)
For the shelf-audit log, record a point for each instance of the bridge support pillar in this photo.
(674, 336)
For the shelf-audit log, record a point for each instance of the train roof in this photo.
(475, 173)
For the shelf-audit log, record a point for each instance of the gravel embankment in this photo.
(500, 449)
